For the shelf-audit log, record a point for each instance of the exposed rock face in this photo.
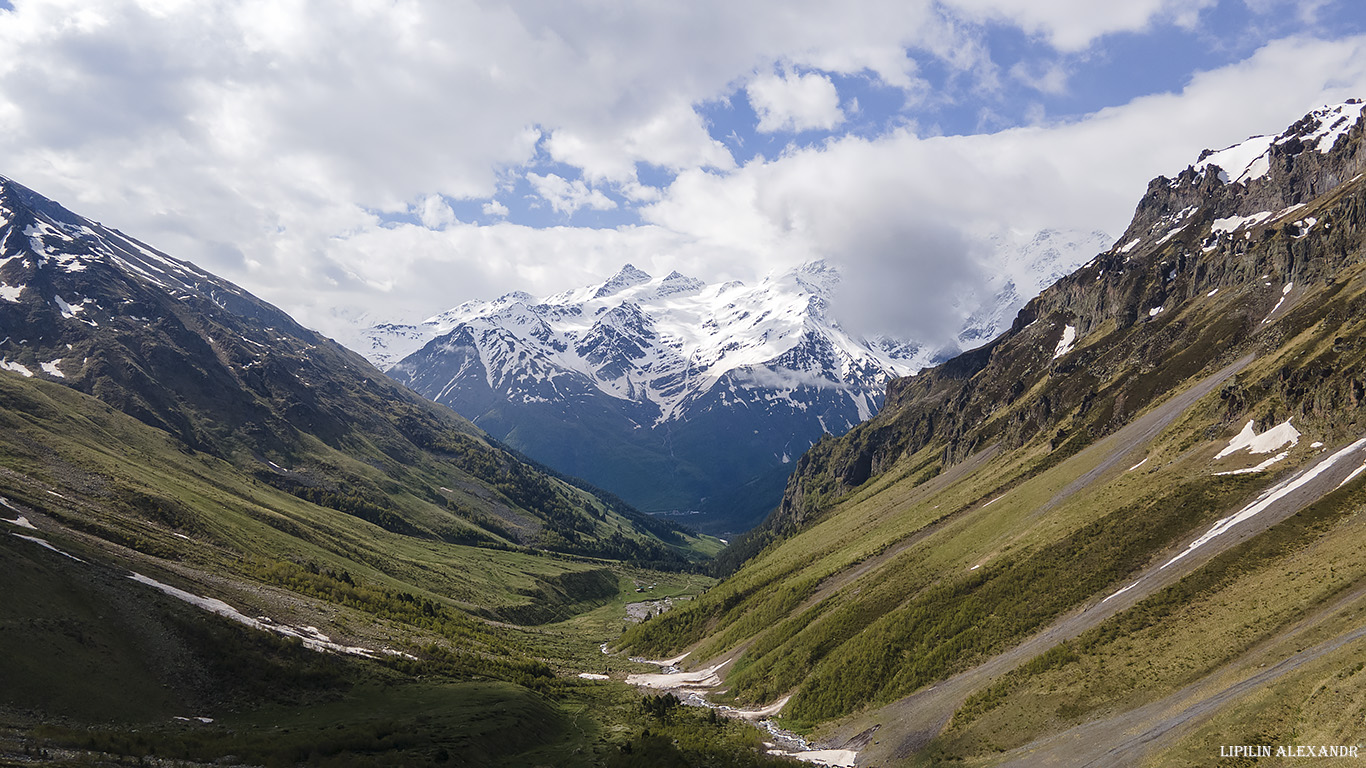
(1289, 211)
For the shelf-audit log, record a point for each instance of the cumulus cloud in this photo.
(912, 219)
(435, 213)
(275, 143)
(793, 102)
(567, 196)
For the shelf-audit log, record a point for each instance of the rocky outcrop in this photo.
(1234, 242)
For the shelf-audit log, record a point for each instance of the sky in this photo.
(359, 161)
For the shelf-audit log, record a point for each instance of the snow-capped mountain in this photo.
(663, 344)
(1171, 206)
(677, 394)
(1025, 265)
(230, 376)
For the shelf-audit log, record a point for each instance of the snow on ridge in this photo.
(1241, 162)
(1334, 121)
(1250, 159)
(669, 340)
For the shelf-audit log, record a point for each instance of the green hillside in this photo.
(1018, 559)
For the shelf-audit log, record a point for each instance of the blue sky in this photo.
(355, 160)
(1159, 58)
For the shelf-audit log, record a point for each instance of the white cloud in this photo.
(910, 217)
(793, 102)
(1050, 78)
(674, 138)
(1073, 25)
(567, 196)
(435, 213)
(258, 138)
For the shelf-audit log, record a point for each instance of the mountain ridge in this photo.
(230, 375)
(680, 396)
(1056, 530)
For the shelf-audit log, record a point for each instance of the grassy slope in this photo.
(958, 571)
(85, 646)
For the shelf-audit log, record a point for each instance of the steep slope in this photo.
(231, 376)
(1139, 500)
(224, 535)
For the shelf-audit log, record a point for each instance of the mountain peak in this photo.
(1249, 160)
(626, 277)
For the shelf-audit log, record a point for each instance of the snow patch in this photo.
(760, 713)
(22, 522)
(1139, 464)
(1129, 246)
(840, 758)
(593, 676)
(702, 678)
(16, 367)
(1259, 468)
(1155, 311)
(1351, 475)
(69, 311)
(1235, 223)
(1069, 337)
(1284, 292)
(51, 369)
(1271, 440)
(309, 636)
(11, 293)
(1275, 494)
(1211, 293)
(1120, 592)
(43, 543)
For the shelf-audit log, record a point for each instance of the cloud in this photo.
(911, 219)
(568, 196)
(1049, 78)
(276, 142)
(435, 213)
(1073, 25)
(792, 102)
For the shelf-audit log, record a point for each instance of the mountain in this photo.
(232, 377)
(223, 534)
(682, 397)
(1124, 532)
(677, 395)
